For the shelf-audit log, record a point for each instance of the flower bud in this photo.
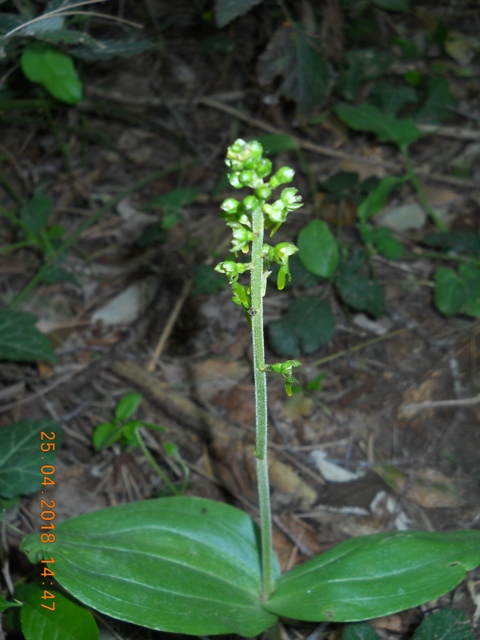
(230, 206)
(282, 176)
(263, 193)
(250, 203)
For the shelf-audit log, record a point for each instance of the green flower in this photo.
(232, 269)
(282, 253)
(285, 368)
(290, 199)
(241, 237)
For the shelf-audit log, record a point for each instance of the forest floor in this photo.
(388, 438)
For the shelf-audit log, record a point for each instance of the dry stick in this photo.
(167, 330)
(169, 325)
(264, 126)
(416, 407)
(326, 151)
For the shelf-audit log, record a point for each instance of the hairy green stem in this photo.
(261, 410)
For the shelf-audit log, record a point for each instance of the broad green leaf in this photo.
(366, 117)
(373, 576)
(358, 291)
(318, 249)
(376, 199)
(307, 325)
(361, 631)
(128, 405)
(451, 292)
(183, 565)
(306, 74)
(21, 456)
(228, 10)
(446, 624)
(69, 620)
(20, 340)
(53, 69)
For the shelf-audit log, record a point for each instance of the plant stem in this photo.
(420, 192)
(151, 460)
(261, 410)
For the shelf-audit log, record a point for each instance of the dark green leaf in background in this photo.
(447, 624)
(361, 631)
(96, 50)
(21, 456)
(306, 74)
(377, 198)
(389, 98)
(206, 280)
(471, 276)
(451, 291)
(228, 10)
(20, 340)
(358, 291)
(403, 6)
(277, 143)
(308, 324)
(437, 98)
(465, 242)
(366, 117)
(69, 621)
(361, 65)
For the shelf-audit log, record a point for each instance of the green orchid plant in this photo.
(191, 565)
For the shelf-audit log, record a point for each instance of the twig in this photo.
(167, 330)
(416, 407)
(450, 132)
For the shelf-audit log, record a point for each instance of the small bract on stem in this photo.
(248, 220)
